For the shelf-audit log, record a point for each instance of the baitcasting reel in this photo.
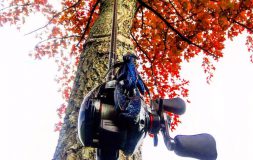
(100, 125)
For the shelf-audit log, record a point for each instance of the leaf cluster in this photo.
(165, 33)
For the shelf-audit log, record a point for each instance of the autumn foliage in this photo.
(165, 33)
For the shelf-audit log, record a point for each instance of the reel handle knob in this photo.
(174, 105)
(200, 146)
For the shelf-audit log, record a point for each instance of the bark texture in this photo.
(91, 71)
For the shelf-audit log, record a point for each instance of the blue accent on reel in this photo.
(128, 90)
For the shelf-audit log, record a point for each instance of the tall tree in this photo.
(165, 33)
(91, 72)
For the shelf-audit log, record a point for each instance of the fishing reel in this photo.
(100, 125)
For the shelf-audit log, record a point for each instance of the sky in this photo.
(29, 100)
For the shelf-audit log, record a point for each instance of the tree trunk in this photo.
(91, 71)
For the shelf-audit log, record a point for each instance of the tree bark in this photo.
(90, 73)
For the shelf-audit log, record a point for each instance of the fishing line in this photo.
(113, 44)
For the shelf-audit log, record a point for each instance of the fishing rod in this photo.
(113, 43)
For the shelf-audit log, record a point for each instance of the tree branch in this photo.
(18, 5)
(184, 38)
(233, 19)
(137, 9)
(175, 10)
(243, 25)
(149, 59)
(56, 38)
(54, 16)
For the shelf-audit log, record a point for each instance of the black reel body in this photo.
(100, 125)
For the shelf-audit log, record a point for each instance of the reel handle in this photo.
(174, 105)
(200, 146)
